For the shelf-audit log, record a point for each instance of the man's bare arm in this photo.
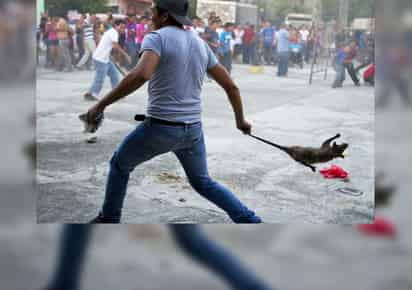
(214, 44)
(222, 77)
(134, 80)
(117, 47)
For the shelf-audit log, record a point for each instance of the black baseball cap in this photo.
(178, 9)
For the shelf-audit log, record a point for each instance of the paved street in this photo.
(71, 174)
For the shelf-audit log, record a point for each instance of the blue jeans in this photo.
(103, 69)
(283, 64)
(340, 73)
(249, 54)
(187, 143)
(268, 53)
(75, 241)
(195, 243)
(226, 60)
(132, 49)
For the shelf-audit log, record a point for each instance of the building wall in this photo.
(226, 10)
(229, 11)
(247, 14)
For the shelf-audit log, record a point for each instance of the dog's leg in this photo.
(308, 165)
(327, 142)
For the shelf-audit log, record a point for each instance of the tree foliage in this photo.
(60, 7)
(330, 10)
(357, 8)
(361, 8)
(276, 10)
(192, 8)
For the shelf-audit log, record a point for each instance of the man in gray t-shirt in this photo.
(176, 85)
(175, 63)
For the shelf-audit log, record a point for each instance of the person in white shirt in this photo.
(304, 36)
(238, 42)
(200, 28)
(102, 62)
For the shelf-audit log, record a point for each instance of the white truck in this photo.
(297, 20)
(366, 24)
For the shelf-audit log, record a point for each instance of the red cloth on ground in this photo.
(334, 172)
(381, 227)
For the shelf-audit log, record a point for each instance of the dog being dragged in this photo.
(308, 156)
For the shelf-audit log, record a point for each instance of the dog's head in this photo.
(338, 150)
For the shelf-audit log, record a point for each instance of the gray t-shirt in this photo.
(175, 87)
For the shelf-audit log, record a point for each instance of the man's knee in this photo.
(201, 183)
(118, 165)
(188, 237)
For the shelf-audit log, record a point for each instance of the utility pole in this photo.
(193, 8)
(317, 11)
(343, 13)
(40, 9)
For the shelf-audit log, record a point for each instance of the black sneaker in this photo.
(100, 219)
(92, 140)
(90, 97)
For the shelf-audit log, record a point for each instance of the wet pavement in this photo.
(71, 174)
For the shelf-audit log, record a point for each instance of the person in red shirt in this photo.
(294, 36)
(249, 41)
(52, 43)
(348, 62)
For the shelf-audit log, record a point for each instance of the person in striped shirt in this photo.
(89, 43)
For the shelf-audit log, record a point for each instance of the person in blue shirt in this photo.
(341, 54)
(225, 48)
(362, 40)
(268, 35)
(211, 36)
(282, 39)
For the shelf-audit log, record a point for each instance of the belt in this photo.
(140, 118)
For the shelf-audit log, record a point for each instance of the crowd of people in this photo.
(247, 44)
(71, 44)
(359, 46)
(264, 44)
